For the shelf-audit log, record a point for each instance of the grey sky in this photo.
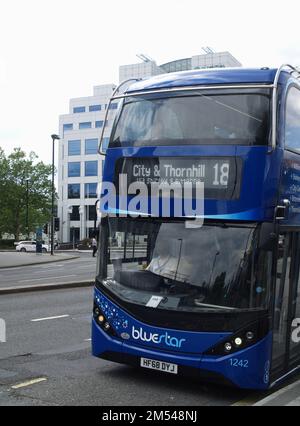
(54, 50)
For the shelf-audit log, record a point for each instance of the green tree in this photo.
(15, 169)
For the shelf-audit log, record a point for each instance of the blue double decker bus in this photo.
(219, 300)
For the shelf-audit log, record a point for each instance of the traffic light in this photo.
(45, 229)
(56, 224)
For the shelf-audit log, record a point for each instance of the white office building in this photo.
(80, 166)
(149, 68)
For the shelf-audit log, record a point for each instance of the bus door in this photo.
(294, 309)
(286, 303)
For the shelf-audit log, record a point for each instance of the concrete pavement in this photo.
(288, 396)
(15, 259)
(45, 272)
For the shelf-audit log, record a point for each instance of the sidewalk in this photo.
(15, 259)
(287, 396)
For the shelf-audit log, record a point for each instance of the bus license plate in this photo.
(166, 367)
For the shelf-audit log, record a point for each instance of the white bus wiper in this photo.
(209, 305)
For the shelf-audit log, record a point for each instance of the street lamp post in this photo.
(27, 202)
(54, 137)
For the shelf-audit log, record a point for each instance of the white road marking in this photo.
(45, 278)
(29, 383)
(49, 318)
(87, 266)
(87, 340)
(50, 267)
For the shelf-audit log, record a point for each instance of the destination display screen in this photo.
(221, 175)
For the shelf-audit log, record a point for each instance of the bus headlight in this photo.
(242, 339)
(106, 326)
(102, 321)
(228, 346)
(250, 335)
(238, 341)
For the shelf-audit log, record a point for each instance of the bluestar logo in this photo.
(140, 334)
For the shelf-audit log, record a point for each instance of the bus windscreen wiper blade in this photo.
(208, 305)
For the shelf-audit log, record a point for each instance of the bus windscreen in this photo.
(224, 117)
(217, 266)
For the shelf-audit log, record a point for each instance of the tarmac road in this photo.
(47, 361)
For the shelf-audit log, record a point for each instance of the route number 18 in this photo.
(221, 174)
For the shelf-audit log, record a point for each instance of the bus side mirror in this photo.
(267, 237)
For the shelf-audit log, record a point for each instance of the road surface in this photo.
(47, 360)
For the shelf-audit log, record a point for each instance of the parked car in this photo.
(30, 246)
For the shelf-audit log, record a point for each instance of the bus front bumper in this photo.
(248, 368)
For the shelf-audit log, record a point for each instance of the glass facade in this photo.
(85, 125)
(74, 169)
(74, 147)
(91, 233)
(78, 109)
(94, 108)
(67, 127)
(74, 234)
(75, 213)
(74, 190)
(91, 146)
(90, 190)
(99, 123)
(91, 168)
(91, 212)
(179, 65)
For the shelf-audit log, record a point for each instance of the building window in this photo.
(91, 232)
(74, 234)
(91, 168)
(74, 169)
(75, 213)
(113, 106)
(292, 125)
(78, 109)
(85, 125)
(74, 190)
(74, 147)
(91, 146)
(90, 190)
(91, 212)
(67, 127)
(94, 108)
(105, 143)
(99, 123)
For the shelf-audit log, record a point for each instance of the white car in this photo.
(30, 246)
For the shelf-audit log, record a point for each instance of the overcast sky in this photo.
(54, 50)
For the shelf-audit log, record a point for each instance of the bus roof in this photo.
(213, 76)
